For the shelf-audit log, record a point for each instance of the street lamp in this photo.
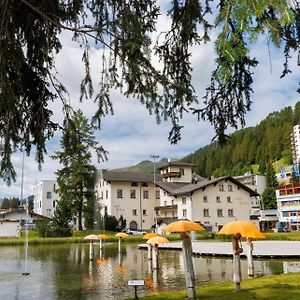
(154, 157)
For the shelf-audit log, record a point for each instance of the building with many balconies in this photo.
(295, 143)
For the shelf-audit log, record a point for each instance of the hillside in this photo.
(145, 166)
(269, 140)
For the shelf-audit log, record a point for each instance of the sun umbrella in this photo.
(157, 240)
(121, 235)
(154, 242)
(102, 237)
(150, 235)
(241, 229)
(245, 228)
(91, 238)
(183, 226)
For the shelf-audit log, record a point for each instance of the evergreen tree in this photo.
(5, 203)
(30, 35)
(62, 218)
(271, 180)
(269, 198)
(76, 178)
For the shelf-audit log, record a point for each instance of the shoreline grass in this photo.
(275, 287)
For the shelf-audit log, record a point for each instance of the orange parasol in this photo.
(150, 235)
(156, 240)
(183, 226)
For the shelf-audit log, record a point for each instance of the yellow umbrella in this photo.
(245, 228)
(121, 234)
(183, 226)
(149, 235)
(157, 240)
(103, 236)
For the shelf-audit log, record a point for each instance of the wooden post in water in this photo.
(155, 257)
(237, 250)
(250, 258)
(149, 251)
(187, 254)
(100, 243)
(91, 250)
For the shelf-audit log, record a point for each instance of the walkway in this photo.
(270, 249)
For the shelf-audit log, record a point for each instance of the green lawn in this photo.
(276, 287)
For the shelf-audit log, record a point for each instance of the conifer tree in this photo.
(76, 177)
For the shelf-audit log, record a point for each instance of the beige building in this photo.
(212, 203)
(130, 194)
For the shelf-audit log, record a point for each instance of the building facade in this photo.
(45, 197)
(130, 194)
(212, 203)
(288, 206)
(295, 143)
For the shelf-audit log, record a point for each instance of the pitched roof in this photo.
(129, 176)
(186, 188)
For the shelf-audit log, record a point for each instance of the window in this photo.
(229, 200)
(54, 188)
(134, 183)
(205, 212)
(221, 188)
(183, 200)
(218, 199)
(132, 194)
(205, 200)
(220, 212)
(172, 203)
(144, 212)
(230, 213)
(184, 213)
(165, 203)
(53, 204)
(145, 194)
(134, 212)
(182, 171)
(157, 194)
(144, 184)
(119, 193)
(49, 195)
(230, 189)
(106, 194)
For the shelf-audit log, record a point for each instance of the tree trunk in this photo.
(80, 207)
(155, 257)
(237, 277)
(149, 252)
(91, 250)
(187, 254)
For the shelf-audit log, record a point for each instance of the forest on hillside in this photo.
(269, 140)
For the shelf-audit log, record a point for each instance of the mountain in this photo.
(145, 166)
(249, 147)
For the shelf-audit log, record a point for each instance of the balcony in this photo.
(171, 174)
(165, 208)
(289, 189)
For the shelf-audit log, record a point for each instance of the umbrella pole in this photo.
(91, 250)
(120, 249)
(250, 258)
(155, 257)
(187, 254)
(237, 276)
(100, 243)
(149, 252)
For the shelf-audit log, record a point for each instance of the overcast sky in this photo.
(131, 135)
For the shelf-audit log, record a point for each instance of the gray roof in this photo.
(129, 176)
(186, 188)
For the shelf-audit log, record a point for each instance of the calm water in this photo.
(65, 272)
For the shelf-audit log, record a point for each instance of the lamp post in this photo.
(154, 157)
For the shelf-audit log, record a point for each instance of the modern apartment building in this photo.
(295, 143)
(45, 197)
(288, 206)
(130, 194)
(213, 202)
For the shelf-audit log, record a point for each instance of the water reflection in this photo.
(65, 272)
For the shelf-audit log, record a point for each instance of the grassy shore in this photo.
(35, 239)
(276, 287)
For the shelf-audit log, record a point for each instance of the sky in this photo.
(131, 135)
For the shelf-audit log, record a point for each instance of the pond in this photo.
(65, 272)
